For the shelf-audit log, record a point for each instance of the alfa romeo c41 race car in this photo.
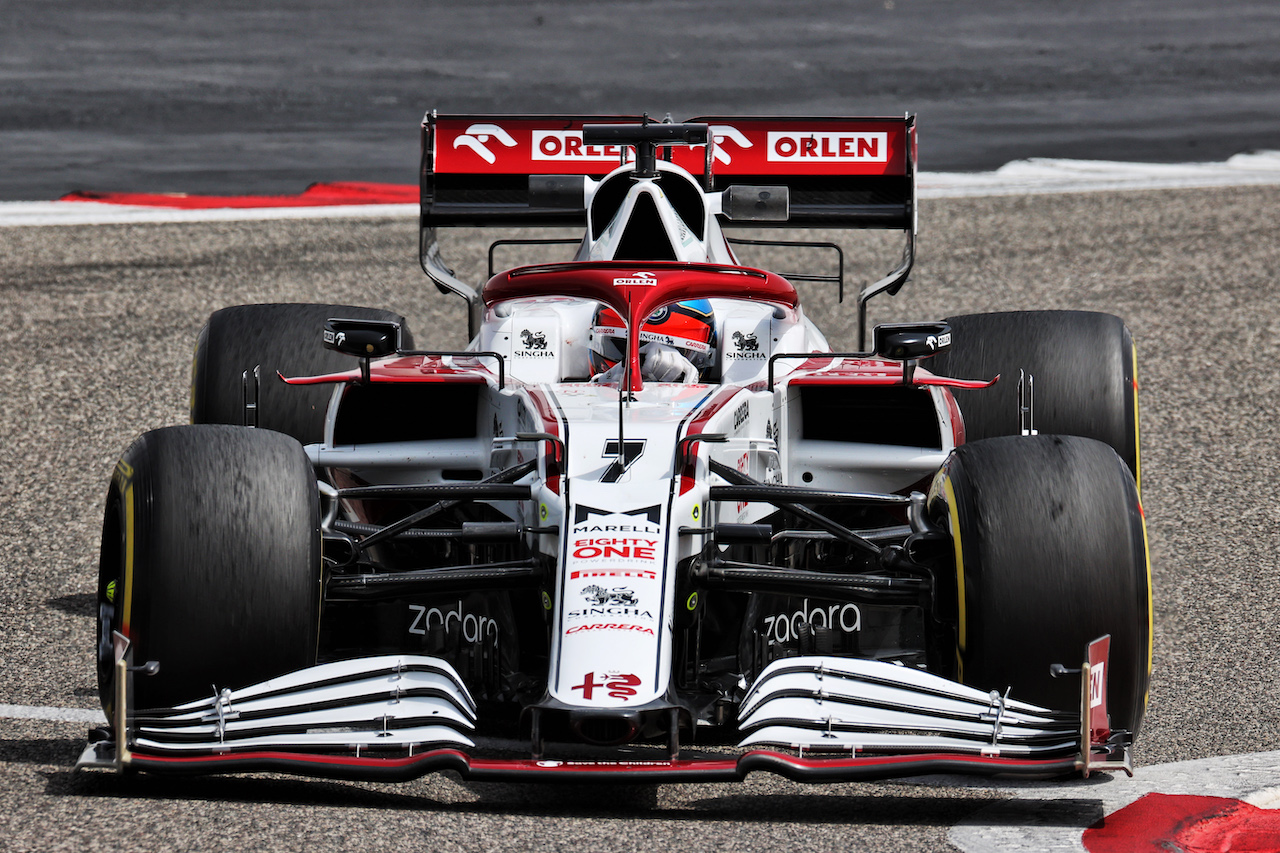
(648, 525)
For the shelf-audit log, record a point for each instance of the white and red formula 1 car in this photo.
(647, 525)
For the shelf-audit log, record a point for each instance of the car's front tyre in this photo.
(210, 561)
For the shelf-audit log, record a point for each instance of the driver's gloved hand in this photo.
(662, 363)
(658, 363)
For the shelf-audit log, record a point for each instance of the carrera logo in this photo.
(478, 136)
(826, 147)
(640, 279)
(567, 145)
(609, 626)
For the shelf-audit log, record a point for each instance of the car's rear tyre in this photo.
(1050, 553)
(282, 337)
(210, 561)
(1084, 367)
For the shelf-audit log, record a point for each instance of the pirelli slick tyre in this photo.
(1085, 375)
(1050, 552)
(210, 561)
(281, 337)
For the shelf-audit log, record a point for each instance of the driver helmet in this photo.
(689, 326)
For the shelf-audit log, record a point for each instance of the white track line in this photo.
(1038, 176)
(1021, 177)
(58, 715)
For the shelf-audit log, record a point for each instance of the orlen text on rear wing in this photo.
(480, 170)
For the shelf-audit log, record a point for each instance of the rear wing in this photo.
(841, 172)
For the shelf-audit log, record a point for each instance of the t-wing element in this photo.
(646, 138)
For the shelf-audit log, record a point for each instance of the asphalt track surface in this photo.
(238, 96)
(95, 349)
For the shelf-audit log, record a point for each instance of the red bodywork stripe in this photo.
(411, 369)
(316, 195)
(688, 474)
(525, 769)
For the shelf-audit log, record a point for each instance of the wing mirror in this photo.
(910, 341)
(362, 338)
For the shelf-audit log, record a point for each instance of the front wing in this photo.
(396, 718)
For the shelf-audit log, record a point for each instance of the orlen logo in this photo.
(640, 279)
(567, 145)
(477, 138)
(723, 133)
(828, 147)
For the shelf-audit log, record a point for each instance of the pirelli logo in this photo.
(827, 147)
(641, 574)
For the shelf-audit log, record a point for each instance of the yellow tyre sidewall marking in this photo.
(128, 559)
(961, 624)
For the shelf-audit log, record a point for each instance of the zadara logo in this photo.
(785, 627)
(617, 685)
(478, 137)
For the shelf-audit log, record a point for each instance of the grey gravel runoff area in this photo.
(96, 346)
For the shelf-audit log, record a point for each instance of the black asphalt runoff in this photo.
(236, 96)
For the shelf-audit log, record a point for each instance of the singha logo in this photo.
(745, 343)
(533, 340)
(619, 596)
